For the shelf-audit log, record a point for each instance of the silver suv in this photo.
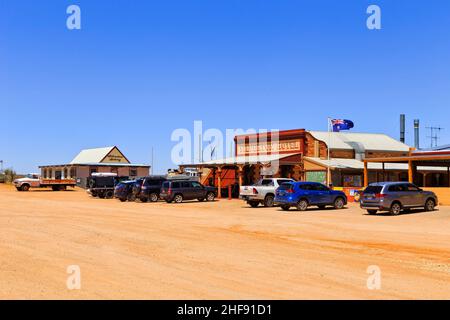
(395, 197)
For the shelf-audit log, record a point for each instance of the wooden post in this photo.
(219, 183)
(366, 175)
(240, 173)
(448, 176)
(384, 171)
(424, 180)
(410, 172)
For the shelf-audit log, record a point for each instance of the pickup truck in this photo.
(34, 180)
(262, 192)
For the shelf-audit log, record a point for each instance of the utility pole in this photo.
(1, 166)
(434, 135)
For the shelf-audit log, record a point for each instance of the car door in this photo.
(323, 194)
(312, 193)
(186, 190)
(414, 195)
(198, 190)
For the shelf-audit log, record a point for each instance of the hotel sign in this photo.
(268, 147)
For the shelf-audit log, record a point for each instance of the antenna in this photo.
(434, 135)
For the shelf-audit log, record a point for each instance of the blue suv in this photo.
(304, 194)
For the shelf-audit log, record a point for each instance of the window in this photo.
(50, 173)
(320, 187)
(175, 185)
(133, 172)
(286, 186)
(281, 181)
(412, 188)
(373, 189)
(73, 172)
(166, 185)
(45, 173)
(267, 183)
(65, 173)
(196, 185)
(306, 186)
(185, 184)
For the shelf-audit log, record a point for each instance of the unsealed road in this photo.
(219, 250)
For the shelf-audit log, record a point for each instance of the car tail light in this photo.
(290, 191)
(380, 196)
(169, 191)
(255, 191)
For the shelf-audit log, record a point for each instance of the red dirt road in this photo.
(219, 250)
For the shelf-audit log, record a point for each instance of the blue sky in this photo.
(137, 70)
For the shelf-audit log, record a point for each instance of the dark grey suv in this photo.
(395, 197)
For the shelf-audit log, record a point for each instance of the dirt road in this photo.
(220, 250)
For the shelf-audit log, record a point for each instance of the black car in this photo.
(177, 191)
(124, 190)
(150, 188)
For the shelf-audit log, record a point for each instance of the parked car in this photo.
(124, 190)
(395, 197)
(178, 191)
(301, 195)
(262, 192)
(150, 188)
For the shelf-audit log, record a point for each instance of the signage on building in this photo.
(268, 147)
(115, 156)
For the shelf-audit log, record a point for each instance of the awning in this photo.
(244, 160)
(337, 163)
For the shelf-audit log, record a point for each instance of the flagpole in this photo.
(328, 152)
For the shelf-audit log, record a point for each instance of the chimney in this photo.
(416, 134)
(402, 128)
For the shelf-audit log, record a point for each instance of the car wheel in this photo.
(210, 196)
(268, 201)
(143, 199)
(339, 203)
(201, 199)
(19, 188)
(154, 197)
(302, 205)
(372, 211)
(429, 205)
(169, 201)
(285, 207)
(396, 208)
(122, 199)
(109, 195)
(253, 204)
(25, 187)
(178, 198)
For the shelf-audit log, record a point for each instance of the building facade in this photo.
(107, 159)
(320, 156)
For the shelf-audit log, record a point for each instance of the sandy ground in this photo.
(219, 250)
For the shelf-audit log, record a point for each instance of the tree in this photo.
(10, 175)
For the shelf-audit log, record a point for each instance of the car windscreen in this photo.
(286, 186)
(373, 189)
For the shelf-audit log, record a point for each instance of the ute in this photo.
(262, 192)
(34, 180)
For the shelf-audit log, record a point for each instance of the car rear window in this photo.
(175, 185)
(373, 189)
(286, 186)
(166, 185)
(284, 181)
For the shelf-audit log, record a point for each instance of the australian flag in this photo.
(341, 124)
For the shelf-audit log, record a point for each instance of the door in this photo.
(198, 190)
(187, 190)
(311, 193)
(414, 195)
(321, 194)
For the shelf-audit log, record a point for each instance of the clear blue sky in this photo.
(137, 70)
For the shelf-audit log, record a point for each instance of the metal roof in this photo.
(339, 163)
(95, 155)
(360, 141)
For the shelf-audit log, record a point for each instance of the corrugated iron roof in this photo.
(360, 141)
(95, 155)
